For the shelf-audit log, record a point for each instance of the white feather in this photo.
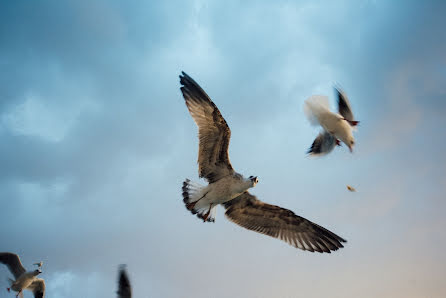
(316, 106)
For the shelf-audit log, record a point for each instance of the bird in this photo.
(39, 265)
(230, 189)
(23, 280)
(124, 287)
(336, 127)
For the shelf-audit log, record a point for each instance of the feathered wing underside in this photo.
(124, 288)
(13, 262)
(323, 144)
(247, 211)
(344, 105)
(38, 288)
(315, 107)
(213, 131)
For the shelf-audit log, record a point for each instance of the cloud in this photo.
(96, 141)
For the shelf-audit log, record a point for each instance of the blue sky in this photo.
(96, 141)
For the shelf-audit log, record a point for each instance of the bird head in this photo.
(254, 180)
(351, 144)
(37, 272)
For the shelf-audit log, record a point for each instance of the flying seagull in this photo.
(23, 280)
(230, 189)
(337, 127)
(124, 288)
(39, 265)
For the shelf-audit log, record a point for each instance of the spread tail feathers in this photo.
(193, 198)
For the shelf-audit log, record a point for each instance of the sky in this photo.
(96, 141)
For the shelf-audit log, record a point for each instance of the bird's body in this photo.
(230, 189)
(206, 198)
(336, 126)
(23, 280)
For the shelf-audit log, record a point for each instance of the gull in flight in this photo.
(124, 288)
(23, 280)
(39, 265)
(230, 189)
(337, 127)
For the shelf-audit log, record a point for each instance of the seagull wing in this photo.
(247, 211)
(213, 131)
(323, 144)
(13, 262)
(315, 108)
(344, 105)
(124, 290)
(38, 288)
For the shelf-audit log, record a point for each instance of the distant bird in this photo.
(39, 265)
(230, 188)
(23, 280)
(124, 288)
(351, 188)
(336, 127)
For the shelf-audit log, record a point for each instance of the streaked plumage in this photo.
(213, 157)
(243, 209)
(23, 280)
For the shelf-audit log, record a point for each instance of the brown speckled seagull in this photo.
(230, 189)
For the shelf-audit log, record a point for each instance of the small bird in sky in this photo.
(23, 280)
(337, 127)
(39, 265)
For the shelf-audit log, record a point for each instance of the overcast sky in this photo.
(95, 142)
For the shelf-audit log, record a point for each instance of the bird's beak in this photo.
(351, 149)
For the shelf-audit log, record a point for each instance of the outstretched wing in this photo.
(344, 105)
(38, 288)
(13, 262)
(323, 144)
(124, 290)
(213, 131)
(315, 108)
(277, 222)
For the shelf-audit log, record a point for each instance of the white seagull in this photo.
(336, 127)
(124, 288)
(39, 265)
(230, 188)
(23, 280)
